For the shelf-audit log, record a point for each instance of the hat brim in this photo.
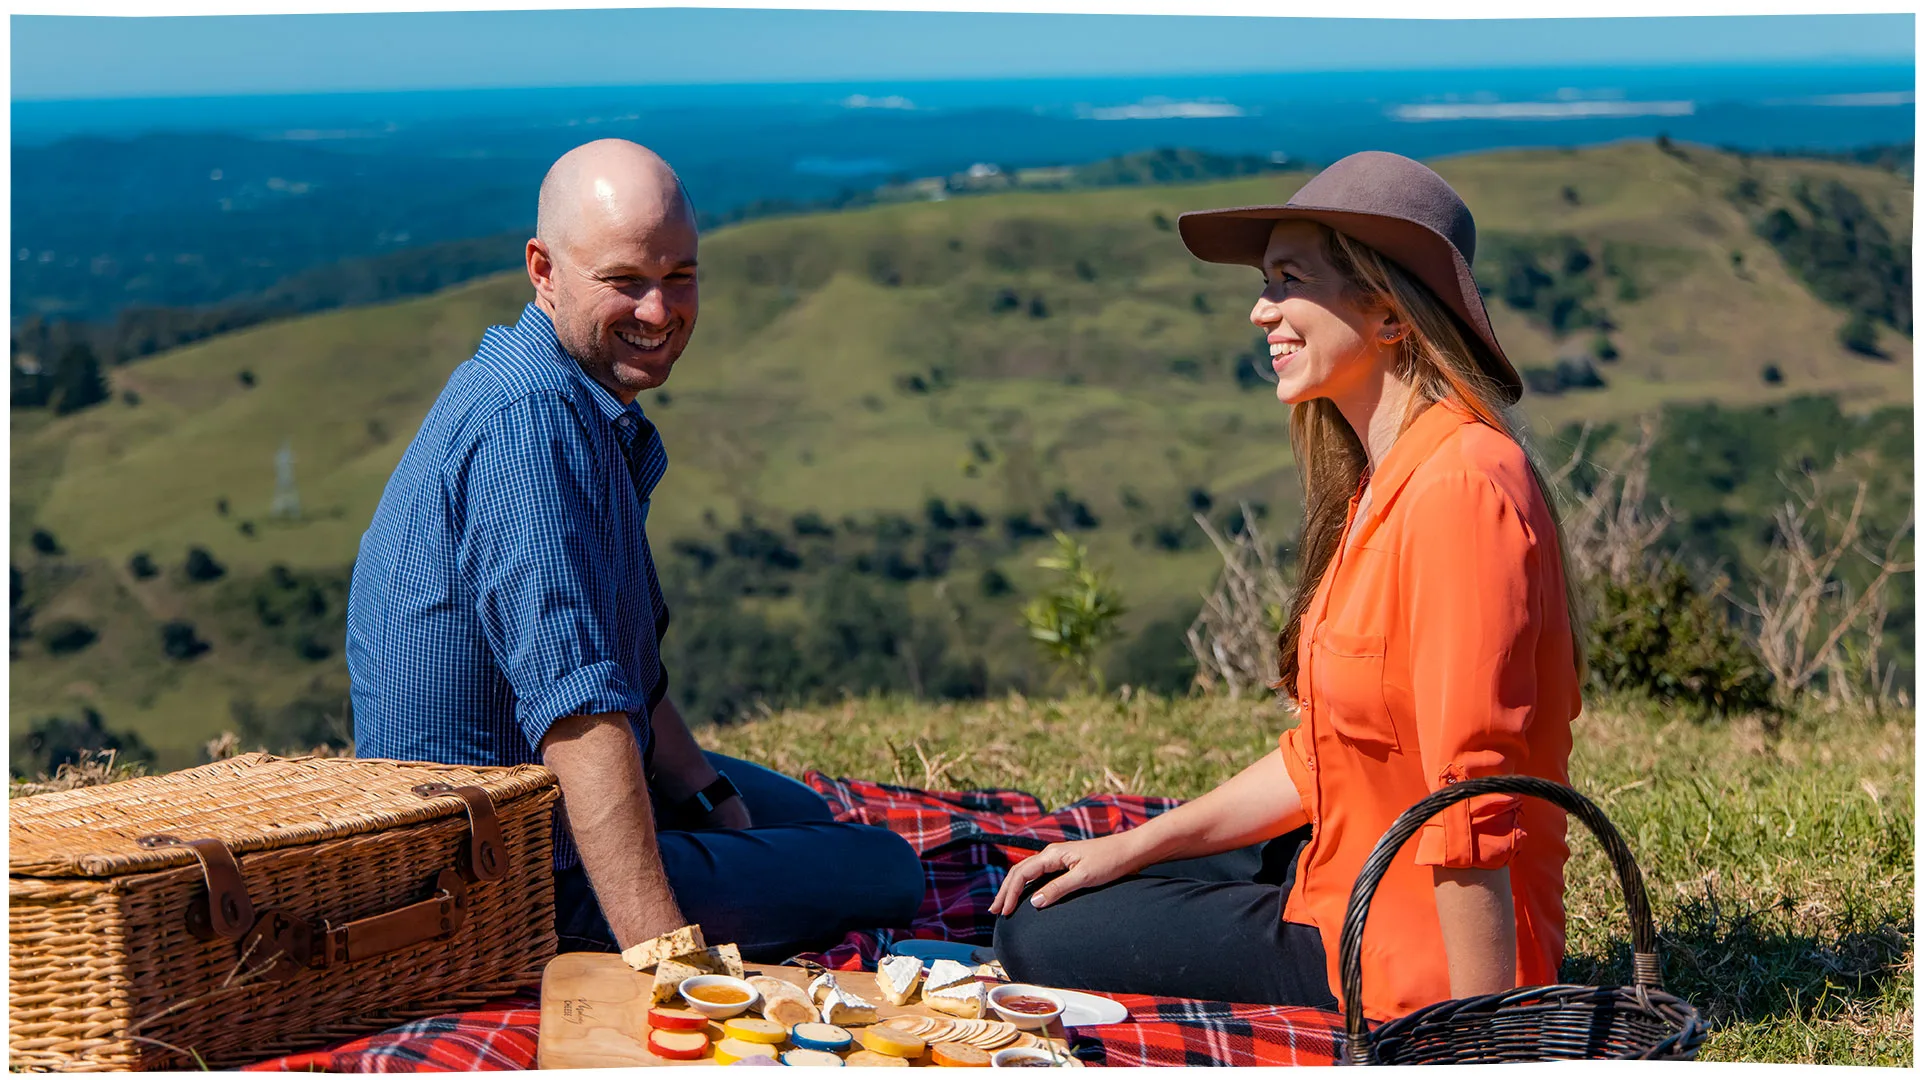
(1238, 236)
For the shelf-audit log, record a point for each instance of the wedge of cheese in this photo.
(647, 954)
(898, 976)
(821, 985)
(953, 988)
(845, 1009)
(726, 960)
(667, 977)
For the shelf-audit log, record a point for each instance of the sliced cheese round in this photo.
(828, 1037)
(870, 1059)
(755, 1030)
(728, 1051)
(677, 1045)
(661, 1018)
(960, 1055)
(812, 1057)
(885, 1040)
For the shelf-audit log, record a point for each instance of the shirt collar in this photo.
(1415, 445)
(628, 420)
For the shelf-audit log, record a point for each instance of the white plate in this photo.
(1083, 1009)
(1089, 1010)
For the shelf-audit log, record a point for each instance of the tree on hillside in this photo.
(77, 381)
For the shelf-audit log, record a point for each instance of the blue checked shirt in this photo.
(506, 580)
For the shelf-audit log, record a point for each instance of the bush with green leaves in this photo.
(65, 636)
(1659, 636)
(1079, 614)
(52, 741)
(201, 565)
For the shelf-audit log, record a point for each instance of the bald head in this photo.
(614, 263)
(610, 184)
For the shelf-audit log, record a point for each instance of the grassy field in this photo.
(1070, 343)
(1779, 861)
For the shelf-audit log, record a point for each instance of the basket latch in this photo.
(228, 912)
(485, 856)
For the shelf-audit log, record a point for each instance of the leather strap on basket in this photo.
(1646, 961)
(283, 944)
(228, 912)
(485, 856)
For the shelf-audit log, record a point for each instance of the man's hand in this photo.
(604, 793)
(681, 768)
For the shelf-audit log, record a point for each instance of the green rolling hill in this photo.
(989, 351)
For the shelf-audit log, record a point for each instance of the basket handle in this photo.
(1646, 962)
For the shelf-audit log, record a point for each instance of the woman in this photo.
(1431, 639)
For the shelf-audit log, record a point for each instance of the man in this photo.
(505, 607)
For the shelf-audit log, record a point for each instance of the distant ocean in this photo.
(1307, 115)
(188, 201)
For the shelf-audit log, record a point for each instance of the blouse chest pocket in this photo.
(1348, 681)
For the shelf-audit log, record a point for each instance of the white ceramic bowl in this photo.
(1027, 1021)
(714, 1010)
(1014, 1057)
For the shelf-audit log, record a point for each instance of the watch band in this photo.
(704, 800)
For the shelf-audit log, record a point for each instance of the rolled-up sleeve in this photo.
(532, 545)
(1470, 569)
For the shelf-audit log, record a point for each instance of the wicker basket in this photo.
(259, 906)
(1535, 1023)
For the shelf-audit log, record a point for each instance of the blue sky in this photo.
(58, 57)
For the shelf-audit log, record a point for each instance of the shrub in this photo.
(1859, 335)
(1659, 636)
(141, 566)
(1079, 614)
(44, 542)
(56, 740)
(201, 566)
(180, 641)
(65, 636)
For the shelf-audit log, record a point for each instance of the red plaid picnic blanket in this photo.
(966, 840)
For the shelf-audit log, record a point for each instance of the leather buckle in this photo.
(228, 912)
(484, 857)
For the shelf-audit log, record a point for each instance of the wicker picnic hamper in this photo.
(262, 905)
(1534, 1023)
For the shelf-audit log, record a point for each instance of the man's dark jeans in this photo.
(795, 882)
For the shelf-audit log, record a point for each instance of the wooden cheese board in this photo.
(593, 1012)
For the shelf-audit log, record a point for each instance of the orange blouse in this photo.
(1439, 648)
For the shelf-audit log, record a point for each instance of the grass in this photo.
(1779, 859)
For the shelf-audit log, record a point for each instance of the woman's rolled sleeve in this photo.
(1469, 570)
(531, 545)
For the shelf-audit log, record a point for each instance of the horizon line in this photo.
(1831, 60)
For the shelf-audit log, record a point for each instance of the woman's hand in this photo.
(1088, 863)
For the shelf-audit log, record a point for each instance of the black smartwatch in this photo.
(703, 801)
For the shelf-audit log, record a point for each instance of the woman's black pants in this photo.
(1200, 928)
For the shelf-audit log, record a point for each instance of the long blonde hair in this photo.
(1441, 359)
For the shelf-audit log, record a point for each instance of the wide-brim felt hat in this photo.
(1394, 205)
